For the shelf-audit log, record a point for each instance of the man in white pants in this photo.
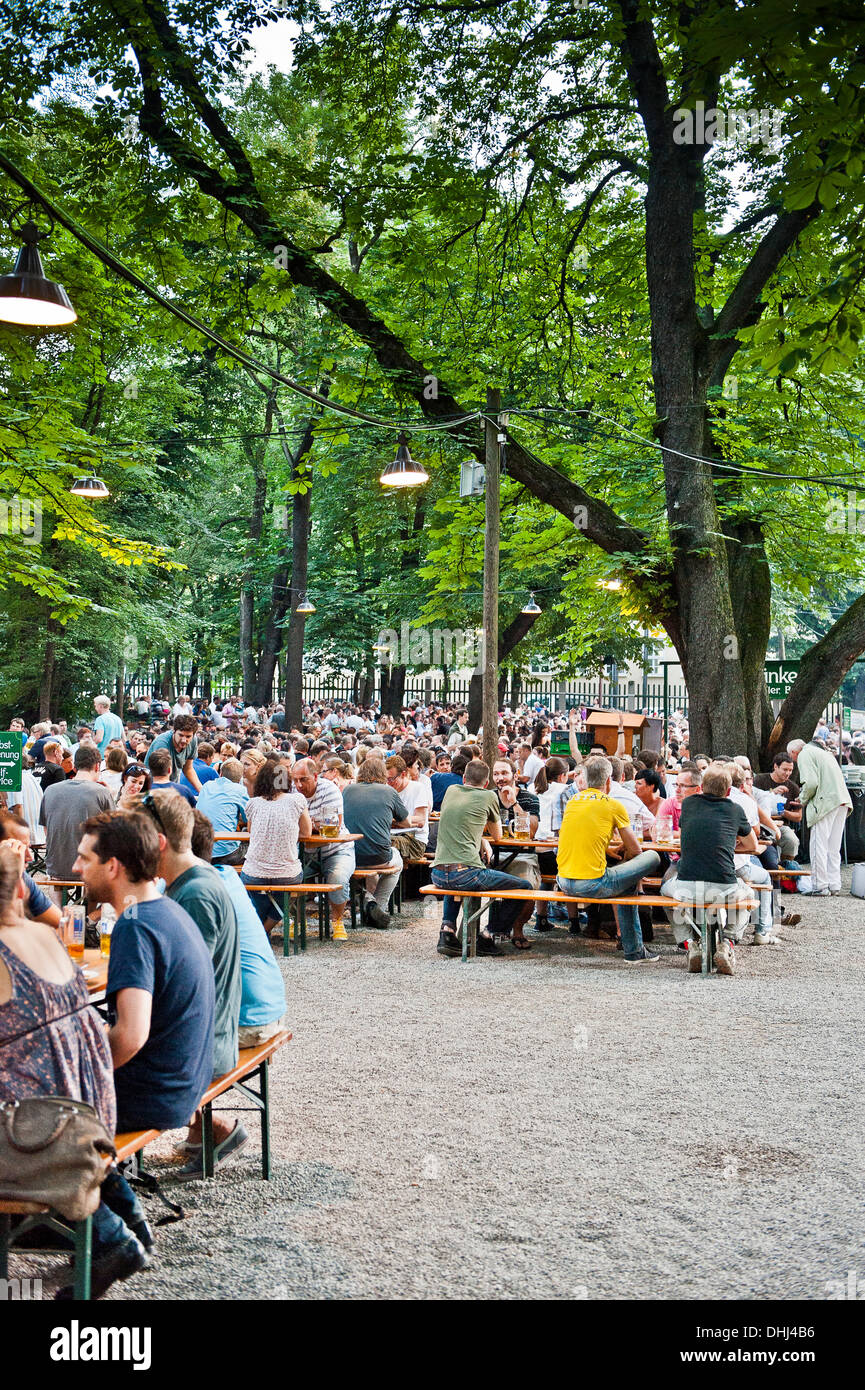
(827, 805)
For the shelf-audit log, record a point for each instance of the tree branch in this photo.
(743, 306)
(646, 74)
(821, 671)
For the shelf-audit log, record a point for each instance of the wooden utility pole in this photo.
(491, 580)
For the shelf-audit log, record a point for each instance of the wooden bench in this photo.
(357, 883)
(300, 891)
(39, 1215)
(253, 1063)
(708, 930)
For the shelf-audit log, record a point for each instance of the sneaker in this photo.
(449, 944)
(643, 959)
(375, 917)
(725, 959)
(695, 958)
(117, 1263)
(142, 1232)
(338, 932)
(193, 1171)
(836, 892)
(766, 939)
(816, 893)
(542, 924)
(487, 946)
(790, 919)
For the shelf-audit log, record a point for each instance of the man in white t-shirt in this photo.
(640, 816)
(414, 792)
(749, 868)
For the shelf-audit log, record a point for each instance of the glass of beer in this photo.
(72, 926)
(521, 824)
(106, 927)
(330, 827)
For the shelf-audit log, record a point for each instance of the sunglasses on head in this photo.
(148, 803)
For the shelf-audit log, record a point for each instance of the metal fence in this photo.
(551, 694)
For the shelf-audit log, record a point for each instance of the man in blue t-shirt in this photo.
(223, 802)
(262, 1000)
(160, 978)
(106, 725)
(442, 778)
(204, 770)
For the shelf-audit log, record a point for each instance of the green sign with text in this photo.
(780, 678)
(11, 760)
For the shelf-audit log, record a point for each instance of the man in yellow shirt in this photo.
(588, 824)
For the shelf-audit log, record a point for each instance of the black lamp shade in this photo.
(27, 297)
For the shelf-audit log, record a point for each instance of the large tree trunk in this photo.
(49, 666)
(248, 662)
(392, 690)
(285, 596)
(245, 623)
(301, 525)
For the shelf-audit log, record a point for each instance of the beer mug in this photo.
(521, 824)
(330, 827)
(72, 922)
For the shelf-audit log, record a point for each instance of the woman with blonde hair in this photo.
(338, 772)
(251, 760)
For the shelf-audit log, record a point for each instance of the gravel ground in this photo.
(548, 1125)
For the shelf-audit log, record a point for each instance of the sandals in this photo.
(521, 943)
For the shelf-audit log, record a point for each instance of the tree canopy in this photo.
(643, 224)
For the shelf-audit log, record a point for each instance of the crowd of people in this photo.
(171, 817)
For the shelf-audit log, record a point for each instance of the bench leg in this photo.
(264, 1077)
(469, 930)
(5, 1230)
(702, 923)
(301, 921)
(83, 1258)
(352, 902)
(208, 1165)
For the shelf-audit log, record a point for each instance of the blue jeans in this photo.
(488, 880)
(619, 882)
(119, 1206)
(754, 872)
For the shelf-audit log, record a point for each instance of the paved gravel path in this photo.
(549, 1125)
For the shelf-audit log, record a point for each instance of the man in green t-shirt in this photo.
(198, 888)
(181, 742)
(468, 812)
